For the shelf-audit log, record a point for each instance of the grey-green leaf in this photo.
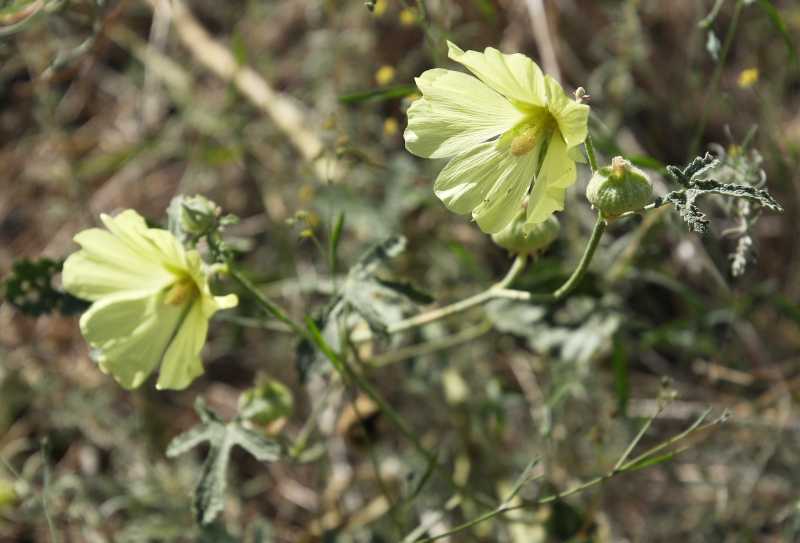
(190, 439)
(260, 447)
(209, 495)
(693, 179)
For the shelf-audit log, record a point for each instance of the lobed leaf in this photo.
(692, 178)
(209, 495)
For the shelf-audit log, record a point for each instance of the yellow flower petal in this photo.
(130, 332)
(182, 363)
(456, 112)
(549, 190)
(106, 264)
(514, 76)
(504, 201)
(468, 177)
(151, 300)
(572, 117)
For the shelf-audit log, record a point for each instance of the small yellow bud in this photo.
(391, 127)
(312, 220)
(748, 78)
(384, 75)
(408, 17)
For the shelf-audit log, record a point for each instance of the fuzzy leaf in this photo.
(209, 495)
(696, 169)
(257, 445)
(576, 333)
(376, 300)
(761, 196)
(690, 213)
(695, 185)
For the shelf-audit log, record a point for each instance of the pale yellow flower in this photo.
(509, 130)
(151, 301)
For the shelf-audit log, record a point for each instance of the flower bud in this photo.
(539, 236)
(268, 401)
(619, 188)
(199, 215)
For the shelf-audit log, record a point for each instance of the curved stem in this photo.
(428, 347)
(482, 297)
(501, 290)
(266, 304)
(625, 467)
(583, 265)
(498, 290)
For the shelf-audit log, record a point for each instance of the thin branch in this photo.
(482, 297)
(631, 465)
(266, 304)
(586, 259)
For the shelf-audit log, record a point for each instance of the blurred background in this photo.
(290, 112)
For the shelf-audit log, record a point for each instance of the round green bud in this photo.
(199, 214)
(619, 188)
(268, 401)
(537, 238)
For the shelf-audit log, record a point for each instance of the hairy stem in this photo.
(500, 290)
(482, 297)
(586, 259)
(359, 381)
(266, 304)
(631, 465)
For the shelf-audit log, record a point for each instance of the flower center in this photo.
(529, 135)
(524, 142)
(181, 292)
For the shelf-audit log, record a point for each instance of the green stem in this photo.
(715, 78)
(266, 304)
(628, 466)
(500, 290)
(360, 382)
(428, 347)
(482, 297)
(583, 265)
